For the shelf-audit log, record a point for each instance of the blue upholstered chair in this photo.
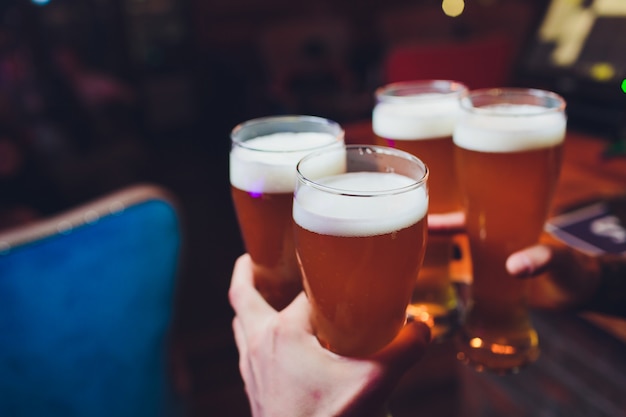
(86, 304)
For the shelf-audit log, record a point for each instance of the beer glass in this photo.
(360, 232)
(508, 146)
(419, 117)
(263, 160)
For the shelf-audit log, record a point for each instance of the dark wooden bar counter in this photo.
(581, 370)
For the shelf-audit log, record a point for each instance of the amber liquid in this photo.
(434, 299)
(266, 225)
(359, 287)
(508, 197)
(438, 155)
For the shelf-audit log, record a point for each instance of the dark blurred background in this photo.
(98, 94)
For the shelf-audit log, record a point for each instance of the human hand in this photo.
(565, 277)
(446, 223)
(287, 372)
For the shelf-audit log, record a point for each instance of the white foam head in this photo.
(360, 213)
(268, 163)
(510, 128)
(423, 116)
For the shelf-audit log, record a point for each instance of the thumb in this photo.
(530, 262)
(406, 348)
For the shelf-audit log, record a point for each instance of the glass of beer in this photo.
(263, 160)
(419, 117)
(508, 147)
(360, 233)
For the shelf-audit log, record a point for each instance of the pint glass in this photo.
(419, 117)
(508, 153)
(263, 160)
(360, 233)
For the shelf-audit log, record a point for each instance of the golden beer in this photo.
(444, 191)
(263, 162)
(509, 156)
(419, 117)
(265, 222)
(360, 237)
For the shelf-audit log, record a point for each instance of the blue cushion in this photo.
(85, 317)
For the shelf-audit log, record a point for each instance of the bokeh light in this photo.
(602, 71)
(453, 8)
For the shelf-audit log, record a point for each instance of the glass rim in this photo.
(417, 183)
(467, 104)
(420, 90)
(287, 119)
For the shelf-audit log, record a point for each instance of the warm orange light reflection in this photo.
(502, 349)
(476, 342)
(496, 348)
(418, 313)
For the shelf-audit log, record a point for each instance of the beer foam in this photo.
(509, 128)
(360, 215)
(268, 163)
(411, 118)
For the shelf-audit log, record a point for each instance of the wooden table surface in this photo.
(581, 370)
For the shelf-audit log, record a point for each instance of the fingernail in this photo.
(519, 266)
